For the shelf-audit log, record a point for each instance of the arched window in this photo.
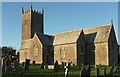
(62, 52)
(35, 49)
(26, 54)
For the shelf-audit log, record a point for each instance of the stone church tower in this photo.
(32, 22)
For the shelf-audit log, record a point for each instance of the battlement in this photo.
(37, 12)
(32, 11)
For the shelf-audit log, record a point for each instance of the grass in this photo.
(37, 71)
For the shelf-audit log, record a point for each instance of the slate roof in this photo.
(66, 37)
(45, 39)
(97, 34)
(92, 35)
(26, 44)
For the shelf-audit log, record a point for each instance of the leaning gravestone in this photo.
(83, 72)
(26, 66)
(56, 66)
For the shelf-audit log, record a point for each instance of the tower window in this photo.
(25, 22)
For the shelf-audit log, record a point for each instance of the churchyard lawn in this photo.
(37, 71)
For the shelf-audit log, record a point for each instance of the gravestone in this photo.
(33, 62)
(95, 65)
(18, 54)
(23, 64)
(116, 71)
(111, 72)
(105, 72)
(8, 66)
(88, 71)
(26, 65)
(97, 72)
(50, 67)
(56, 66)
(66, 69)
(83, 72)
(42, 65)
(15, 65)
(4, 59)
(45, 66)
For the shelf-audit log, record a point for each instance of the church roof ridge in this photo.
(43, 34)
(66, 31)
(98, 26)
(26, 40)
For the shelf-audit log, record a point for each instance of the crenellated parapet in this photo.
(32, 11)
(35, 12)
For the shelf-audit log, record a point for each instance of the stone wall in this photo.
(34, 52)
(26, 26)
(22, 55)
(97, 54)
(65, 53)
(101, 53)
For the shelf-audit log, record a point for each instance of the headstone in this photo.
(117, 69)
(50, 67)
(33, 62)
(95, 65)
(105, 72)
(97, 72)
(7, 66)
(66, 69)
(18, 57)
(42, 65)
(83, 72)
(111, 72)
(23, 64)
(15, 64)
(26, 66)
(56, 66)
(4, 59)
(88, 71)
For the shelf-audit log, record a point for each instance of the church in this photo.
(90, 46)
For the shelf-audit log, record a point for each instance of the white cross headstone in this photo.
(66, 69)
